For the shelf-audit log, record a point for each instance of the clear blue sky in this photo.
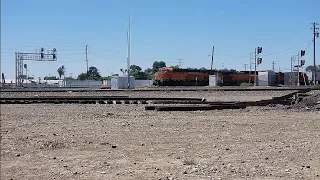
(160, 30)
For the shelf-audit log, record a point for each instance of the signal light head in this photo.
(259, 50)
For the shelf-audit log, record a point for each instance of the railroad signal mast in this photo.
(50, 55)
(257, 61)
(300, 62)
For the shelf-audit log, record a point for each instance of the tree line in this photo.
(136, 71)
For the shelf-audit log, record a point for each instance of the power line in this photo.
(285, 50)
(270, 54)
(34, 46)
(308, 46)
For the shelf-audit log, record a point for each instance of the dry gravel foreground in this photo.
(46, 141)
(209, 95)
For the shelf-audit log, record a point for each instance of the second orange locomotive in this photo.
(191, 77)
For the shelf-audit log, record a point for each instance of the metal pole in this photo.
(87, 60)
(314, 54)
(291, 74)
(298, 77)
(26, 76)
(251, 54)
(16, 69)
(212, 58)
(250, 71)
(255, 66)
(128, 59)
(315, 34)
(273, 65)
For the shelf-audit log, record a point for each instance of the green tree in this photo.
(135, 68)
(175, 67)
(157, 65)
(61, 71)
(92, 74)
(82, 76)
(149, 73)
(137, 73)
(106, 78)
(312, 68)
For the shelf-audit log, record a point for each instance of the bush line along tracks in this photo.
(180, 104)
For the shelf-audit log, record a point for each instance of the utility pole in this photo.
(245, 67)
(315, 34)
(273, 65)
(212, 58)
(298, 76)
(128, 60)
(87, 60)
(180, 62)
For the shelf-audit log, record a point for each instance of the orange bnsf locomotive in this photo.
(186, 77)
(181, 77)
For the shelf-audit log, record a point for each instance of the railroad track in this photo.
(160, 89)
(90, 100)
(180, 104)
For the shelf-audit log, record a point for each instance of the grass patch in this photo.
(246, 84)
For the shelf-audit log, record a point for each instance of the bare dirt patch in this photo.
(44, 141)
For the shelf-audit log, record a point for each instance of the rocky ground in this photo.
(126, 142)
(209, 95)
(311, 102)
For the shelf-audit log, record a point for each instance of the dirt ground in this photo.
(46, 141)
(209, 95)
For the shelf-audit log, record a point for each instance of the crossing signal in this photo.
(259, 60)
(303, 53)
(259, 50)
(54, 53)
(42, 54)
(302, 62)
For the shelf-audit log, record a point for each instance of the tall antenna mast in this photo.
(128, 59)
(212, 57)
